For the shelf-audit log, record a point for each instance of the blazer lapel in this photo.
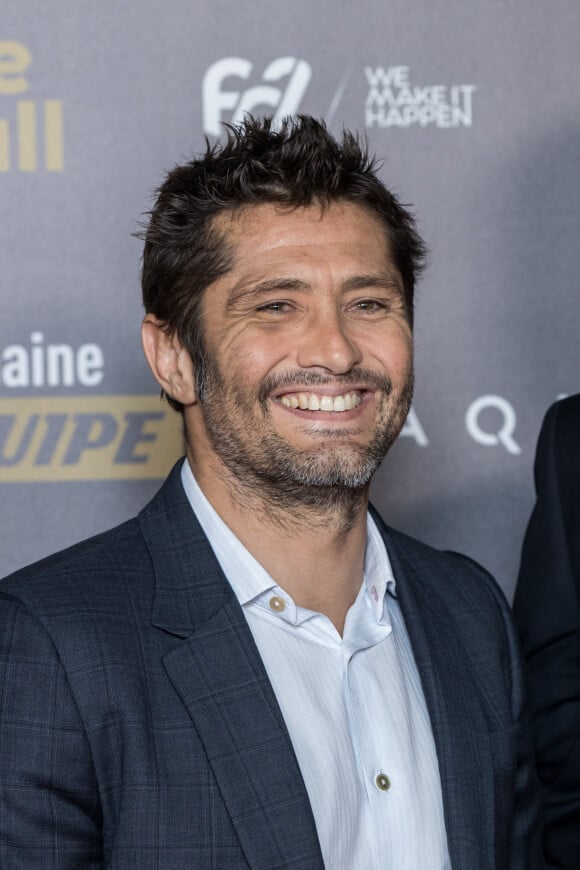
(464, 747)
(219, 676)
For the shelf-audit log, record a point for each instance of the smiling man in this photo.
(256, 672)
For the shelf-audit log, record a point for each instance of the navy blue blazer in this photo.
(138, 728)
(547, 612)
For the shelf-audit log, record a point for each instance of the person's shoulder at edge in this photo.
(566, 405)
(563, 414)
(557, 460)
(99, 559)
(94, 562)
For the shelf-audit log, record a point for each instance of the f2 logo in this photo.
(284, 101)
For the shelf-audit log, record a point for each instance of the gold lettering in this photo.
(53, 136)
(88, 438)
(27, 160)
(14, 60)
(4, 147)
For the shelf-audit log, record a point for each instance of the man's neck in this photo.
(315, 552)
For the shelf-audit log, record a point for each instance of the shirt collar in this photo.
(250, 580)
(244, 573)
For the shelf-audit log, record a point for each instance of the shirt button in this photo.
(278, 605)
(383, 782)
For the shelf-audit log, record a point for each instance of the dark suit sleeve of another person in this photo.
(547, 612)
(50, 812)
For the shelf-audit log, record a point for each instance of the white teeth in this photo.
(313, 402)
(289, 401)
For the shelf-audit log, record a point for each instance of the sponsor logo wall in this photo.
(394, 101)
(268, 97)
(72, 437)
(92, 115)
(31, 132)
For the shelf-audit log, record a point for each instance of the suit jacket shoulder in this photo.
(92, 567)
(547, 599)
(557, 470)
(547, 612)
(124, 661)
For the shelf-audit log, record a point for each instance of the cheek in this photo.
(393, 351)
(405, 355)
(252, 359)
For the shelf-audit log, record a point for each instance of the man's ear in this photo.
(168, 360)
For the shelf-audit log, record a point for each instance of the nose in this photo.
(327, 343)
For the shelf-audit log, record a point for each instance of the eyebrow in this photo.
(388, 280)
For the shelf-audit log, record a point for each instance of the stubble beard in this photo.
(266, 470)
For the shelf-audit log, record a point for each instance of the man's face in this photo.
(308, 352)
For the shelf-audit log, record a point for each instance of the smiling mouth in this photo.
(316, 402)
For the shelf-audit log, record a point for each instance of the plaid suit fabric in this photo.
(138, 728)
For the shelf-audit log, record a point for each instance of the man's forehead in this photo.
(269, 226)
(277, 249)
(244, 215)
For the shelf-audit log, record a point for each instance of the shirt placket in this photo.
(365, 633)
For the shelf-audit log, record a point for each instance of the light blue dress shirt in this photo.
(353, 706)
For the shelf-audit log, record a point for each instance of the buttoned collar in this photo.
(252, 584)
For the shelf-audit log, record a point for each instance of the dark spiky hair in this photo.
(294, 164)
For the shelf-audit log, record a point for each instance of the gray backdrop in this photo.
(475, 110)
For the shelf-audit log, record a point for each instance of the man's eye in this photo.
(369, 305)
(274, 307)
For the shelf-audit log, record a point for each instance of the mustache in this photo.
(355, 377)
